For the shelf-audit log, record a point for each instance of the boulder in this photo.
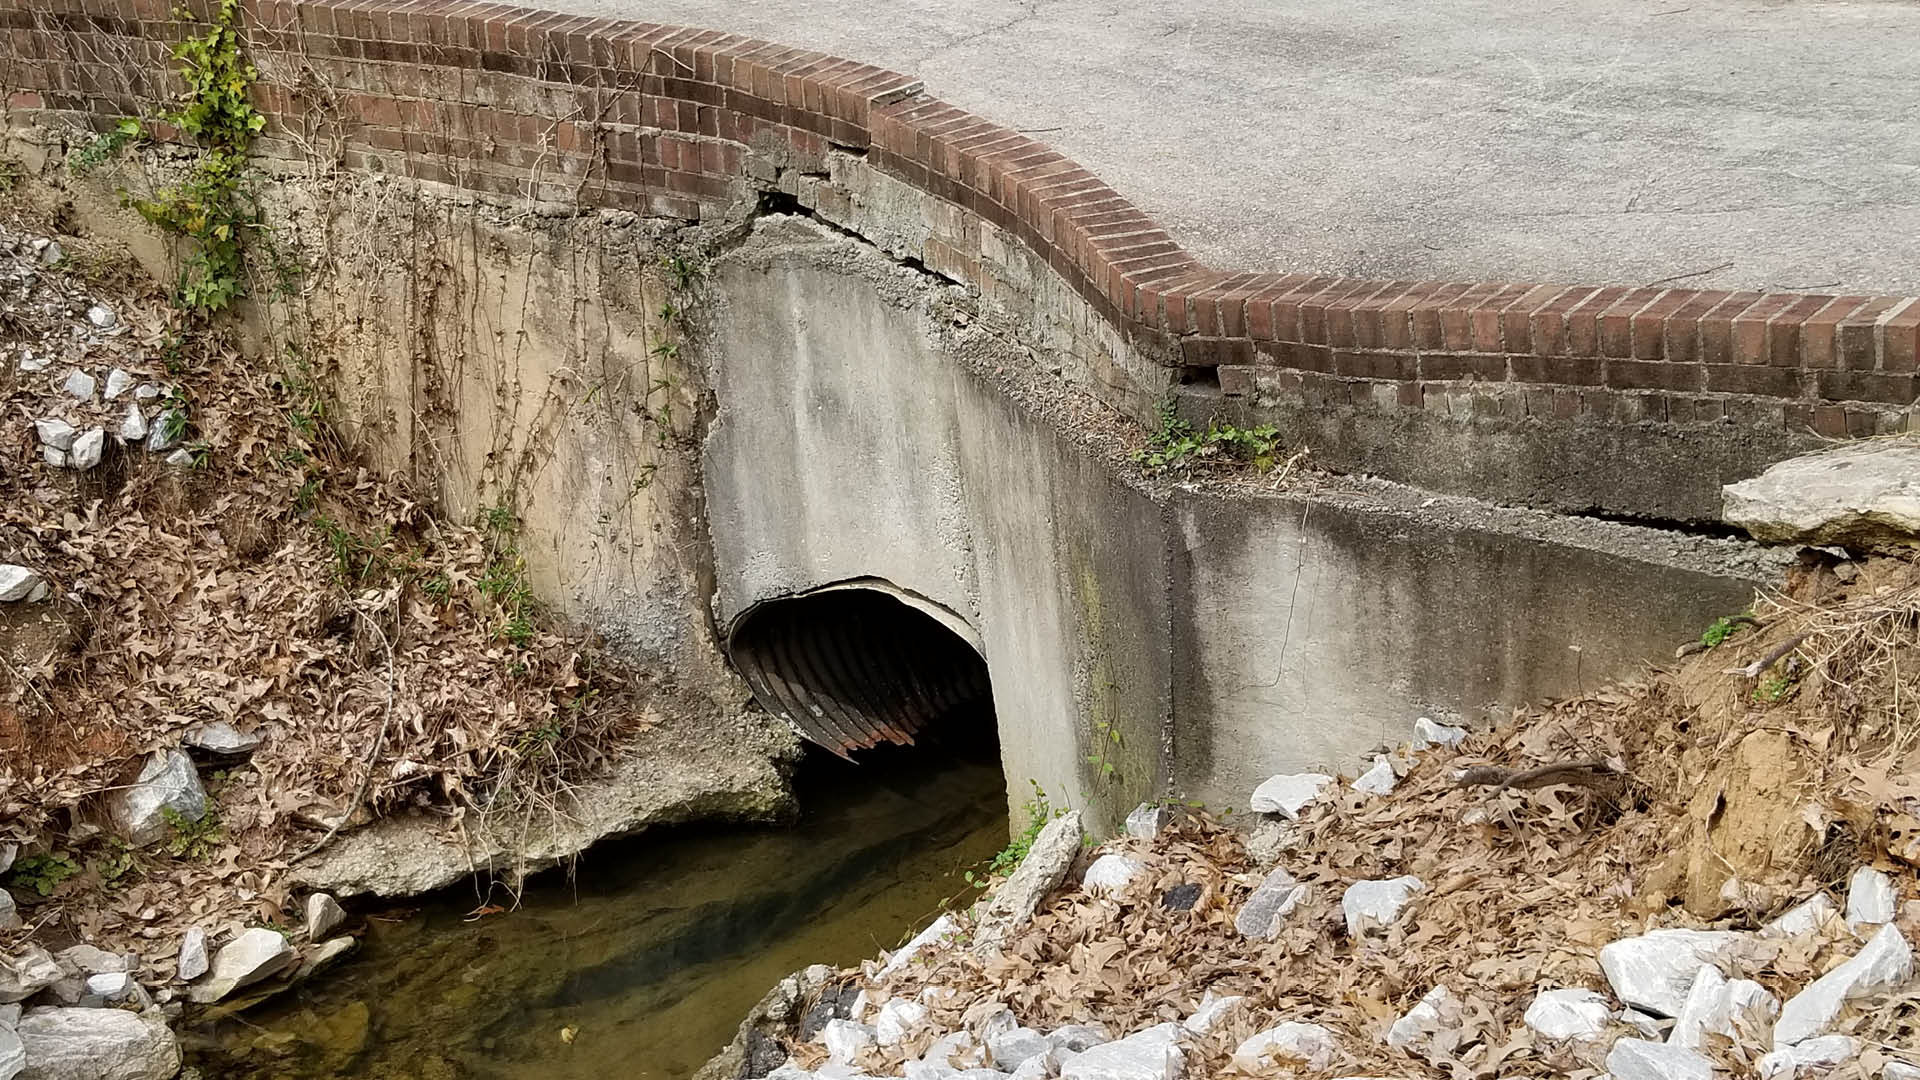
(1111, 874)
(1378, 780)
(257, 954)
(1804, 919)
(9, 914)
(324, 915)
(1370, 905)
(1822, 1053)
(1427, 734)
(167, 781)
(323, 955)
(28, 973)
(1637, 1059)
(20, 583)
(13, 1054)
(88, 960)
(222, 739)
(1015, 901)
(87, 449)
(1438, 1011)
(1885, 962)
(1871, 900)
(1560, 1015)
(1266, 911)
(1285, 795)
(193, 955)
(1147, 821)
(1153, 1054)
(1863, 495)
(938, 930)
(845, 1039)
(1309, 1045)
(1655, 970)
(97, 1044)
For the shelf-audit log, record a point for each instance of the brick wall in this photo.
(693, 124)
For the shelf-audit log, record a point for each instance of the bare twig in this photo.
(372, 760)
(1754, 669)
(1577, 773)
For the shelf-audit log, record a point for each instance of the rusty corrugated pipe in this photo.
(853, 667)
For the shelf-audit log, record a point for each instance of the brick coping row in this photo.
(675, 108)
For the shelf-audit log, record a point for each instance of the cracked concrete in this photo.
(1715, 143)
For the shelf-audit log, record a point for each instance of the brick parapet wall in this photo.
(690, 123)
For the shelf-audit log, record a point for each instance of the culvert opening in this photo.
(856, 667)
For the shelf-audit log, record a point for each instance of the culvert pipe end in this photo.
(851, 667)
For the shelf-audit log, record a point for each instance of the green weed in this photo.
(1176, 444)
(1038, 812)
(104, 146)
(42, 873)
(193, 839)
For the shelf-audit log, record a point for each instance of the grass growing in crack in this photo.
(1176, 444)
(1038, 812)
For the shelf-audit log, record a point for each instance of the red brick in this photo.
(1313, 309)
(1456, 317)
(1750, 327)
(1858, 335)
(1448, 366)
(1716, 327)
(1549, 324)
(1483, 322)
(1653, 375)
(1369, 316)
(1898, 340)
(1866, 386)
(1616, 321)
(1583, 320)
(1648, 328)
(1424, 316)
(1783, 330)
(1818, 335)
(1286, 308)
(1557, 370)
(1756, 379)
(1341, 314)
(1396, 316)
(1516, 319)
(1830, 421)
(1261, 324)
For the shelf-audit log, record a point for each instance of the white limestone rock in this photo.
(118, 382)
(323, 955)
(1308, 1045)
(1042, 1066)
(55, 433)
(1153, 1054)
(845, 1039)
(1871, 900)
(1378, 780)
(80, 385)
(1427, 734)
(87, 450)
(1014, 902)
(167, 781)
(1147, 821)
(938, 930)
(1015, 1047)
(1285, 795)
(324, 915)
(1647, 1026)
(1438, 1011)
(27, 973)
(1079, 1038)
(17, 583)
(98, 1044)
(1655, 970)
(1637, 1059)
(1370, 905)
(1715, 1005)
(1863, 494)
(1897, 1070)
(257, 954)
(1822, 1053)
(1213, 1011)
(9, 912)
(897, 1020)
(133, 426)
(146, 392)
(1804, 919)
(1266, 911)
(88, 960)
(1885, 962)
(112, 987)
(1562, 1015)
(101, 316)
(165, 431)
(30, 363)
(55, 458)
(193, 955)
(13, 1053)
(180, 459)
(1111, 874)
(222, 738)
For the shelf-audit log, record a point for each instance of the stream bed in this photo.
(643, 964)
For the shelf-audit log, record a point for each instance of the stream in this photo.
(646, 960)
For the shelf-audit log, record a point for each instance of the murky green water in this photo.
(652, 953)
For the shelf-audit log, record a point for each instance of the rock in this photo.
(1655, 970)
(1427, 734)
(1269, 838)
(165, 431)
(323, 956)
(1266, 911)
(1146, 821)
(1042, 1066)
(1436, 1012)
(180, 459)
(1716, 1006)
(1637, 1059)
(1863, 495)
(101, 316)
(1309, 1045)
(167, 781)
(1823, 1052)
(1014, 902)
(80, 385)
(897, 1021)
(87, 449)
(1212, 1011)
(1895, 1070)
(223, 739)
(1111, 874)
(257, 954)
(1883, 963)
(9, 914)
(146, 392)
(1285, 795)
(133, 426)
(1378, 780)
(1804, 919)
(13, 1054)
(955, 1050)
(844, 1040)
(1153, 1054)
(52, 254)
(18, 583)
(1377, 904)
(111, 986)
(25, 975)
(7, 853)
(1647, 1026)
(938, 930)
(1560, 1015)
(97, 1044)
(324, 914)
(756, 1049)
(1871, 900)
(118, 382)
(1012, 1049)
(30, 363)
(55, 458)
(55, 433)
(88, 960)
(1181, 897)
(1079, 1038)
(193, 955)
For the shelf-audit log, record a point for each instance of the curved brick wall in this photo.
(681, 122)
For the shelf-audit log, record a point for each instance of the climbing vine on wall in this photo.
(209, 209)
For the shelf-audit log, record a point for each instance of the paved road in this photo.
(1776, 144)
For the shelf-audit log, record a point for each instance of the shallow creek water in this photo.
(651, 954)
